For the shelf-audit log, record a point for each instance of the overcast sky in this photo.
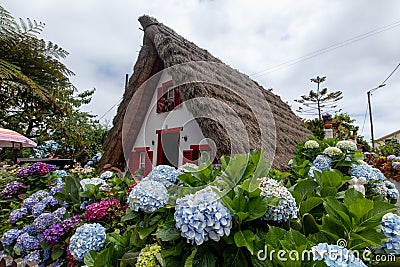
(275, 42)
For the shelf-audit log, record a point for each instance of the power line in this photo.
(110, 109)
(326, 50)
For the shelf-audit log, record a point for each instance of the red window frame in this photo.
(159, 144)
(134, 160)
(164, 104)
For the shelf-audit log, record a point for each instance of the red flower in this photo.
(50, 183)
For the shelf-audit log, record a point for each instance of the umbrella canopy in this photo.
(8, 137)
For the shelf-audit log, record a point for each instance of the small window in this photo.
(167, 98)
(142, 161)
(171, 95)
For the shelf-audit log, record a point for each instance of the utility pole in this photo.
(370, 113)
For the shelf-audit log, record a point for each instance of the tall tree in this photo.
(320, 101)
(37, 97)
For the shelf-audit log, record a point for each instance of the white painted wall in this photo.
(179, 117)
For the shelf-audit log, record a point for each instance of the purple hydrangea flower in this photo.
(71, 223)
(53, 234)
(44, 221)
(12, 189)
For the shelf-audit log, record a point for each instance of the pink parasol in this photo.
(13, 139)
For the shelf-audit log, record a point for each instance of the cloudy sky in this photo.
(280, 44)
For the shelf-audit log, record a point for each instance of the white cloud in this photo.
(103, 39)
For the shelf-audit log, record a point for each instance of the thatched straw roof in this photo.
(277, 130)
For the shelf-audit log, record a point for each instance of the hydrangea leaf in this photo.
(374, 216)
(309, 204)
(305, 187)
(360, 207)
(168, 232)
(245, 239)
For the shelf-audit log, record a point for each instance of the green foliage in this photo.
(355, 220)
(391, 147)
(41, 101)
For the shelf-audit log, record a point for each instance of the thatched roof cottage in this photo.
(181, 101)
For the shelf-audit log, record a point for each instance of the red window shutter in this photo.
(134, 162)
(177, 98)
(160, 93)
(187, 156)
(148, 166)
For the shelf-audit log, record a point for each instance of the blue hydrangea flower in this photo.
(106, 175)
(10, 236)
(362, 170)
(28, 229)
(376, 175)
(311, 171)
(335, 256)
(44, 221)
(202, 216)
(286, 208)
(322, 162)
(148, 196)
(61, 173)
(164, 174)
(386, 189)
(17, 214)
(59, 213)
(391, 228)
(56, 189)
(391, 157)
(87, 237)
(25, 243)
(33, 256)
(38, 208)
(30, 202)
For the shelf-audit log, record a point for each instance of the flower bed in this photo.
(241, 213)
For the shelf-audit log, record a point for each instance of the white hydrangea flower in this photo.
(311, 144)
(332, 151)
(346, 145)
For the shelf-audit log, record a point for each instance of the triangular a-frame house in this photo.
(164, 120)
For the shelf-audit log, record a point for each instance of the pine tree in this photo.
(320, 101)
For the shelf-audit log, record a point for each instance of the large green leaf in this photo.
(274, 235)
(360, 207)
(245, 239)
(304, 187)
(204, 257)
(338, 211)
(374, 216)
(168, 232)
(309, 204)
(258, 206)
(234, 257)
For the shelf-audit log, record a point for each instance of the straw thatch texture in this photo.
(245, 99)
